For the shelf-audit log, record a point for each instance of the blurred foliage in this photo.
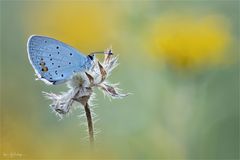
(187, 41)
(87, 25)
(180, 59)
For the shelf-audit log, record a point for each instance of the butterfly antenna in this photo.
(108, 52)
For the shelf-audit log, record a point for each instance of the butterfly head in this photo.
(91, 57)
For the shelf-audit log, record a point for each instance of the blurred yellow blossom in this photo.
(187, 41)
(83, 25)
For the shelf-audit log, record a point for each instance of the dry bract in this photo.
(81, 86)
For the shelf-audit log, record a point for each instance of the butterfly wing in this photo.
(53, 61)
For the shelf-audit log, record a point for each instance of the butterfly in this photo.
(54, 61)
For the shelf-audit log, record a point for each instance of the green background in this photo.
(170, 114)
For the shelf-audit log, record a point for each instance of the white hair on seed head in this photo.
(81, 86)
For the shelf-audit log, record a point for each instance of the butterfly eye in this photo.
(91, 56)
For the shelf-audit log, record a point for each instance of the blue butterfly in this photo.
(55, 62)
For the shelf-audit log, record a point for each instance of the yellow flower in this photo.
(186, 41)
(83, 25)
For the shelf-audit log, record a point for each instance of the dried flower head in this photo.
(81, 89)
(81, 86)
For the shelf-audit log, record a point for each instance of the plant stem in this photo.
(90, 124)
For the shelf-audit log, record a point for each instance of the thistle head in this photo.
(81, 85)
